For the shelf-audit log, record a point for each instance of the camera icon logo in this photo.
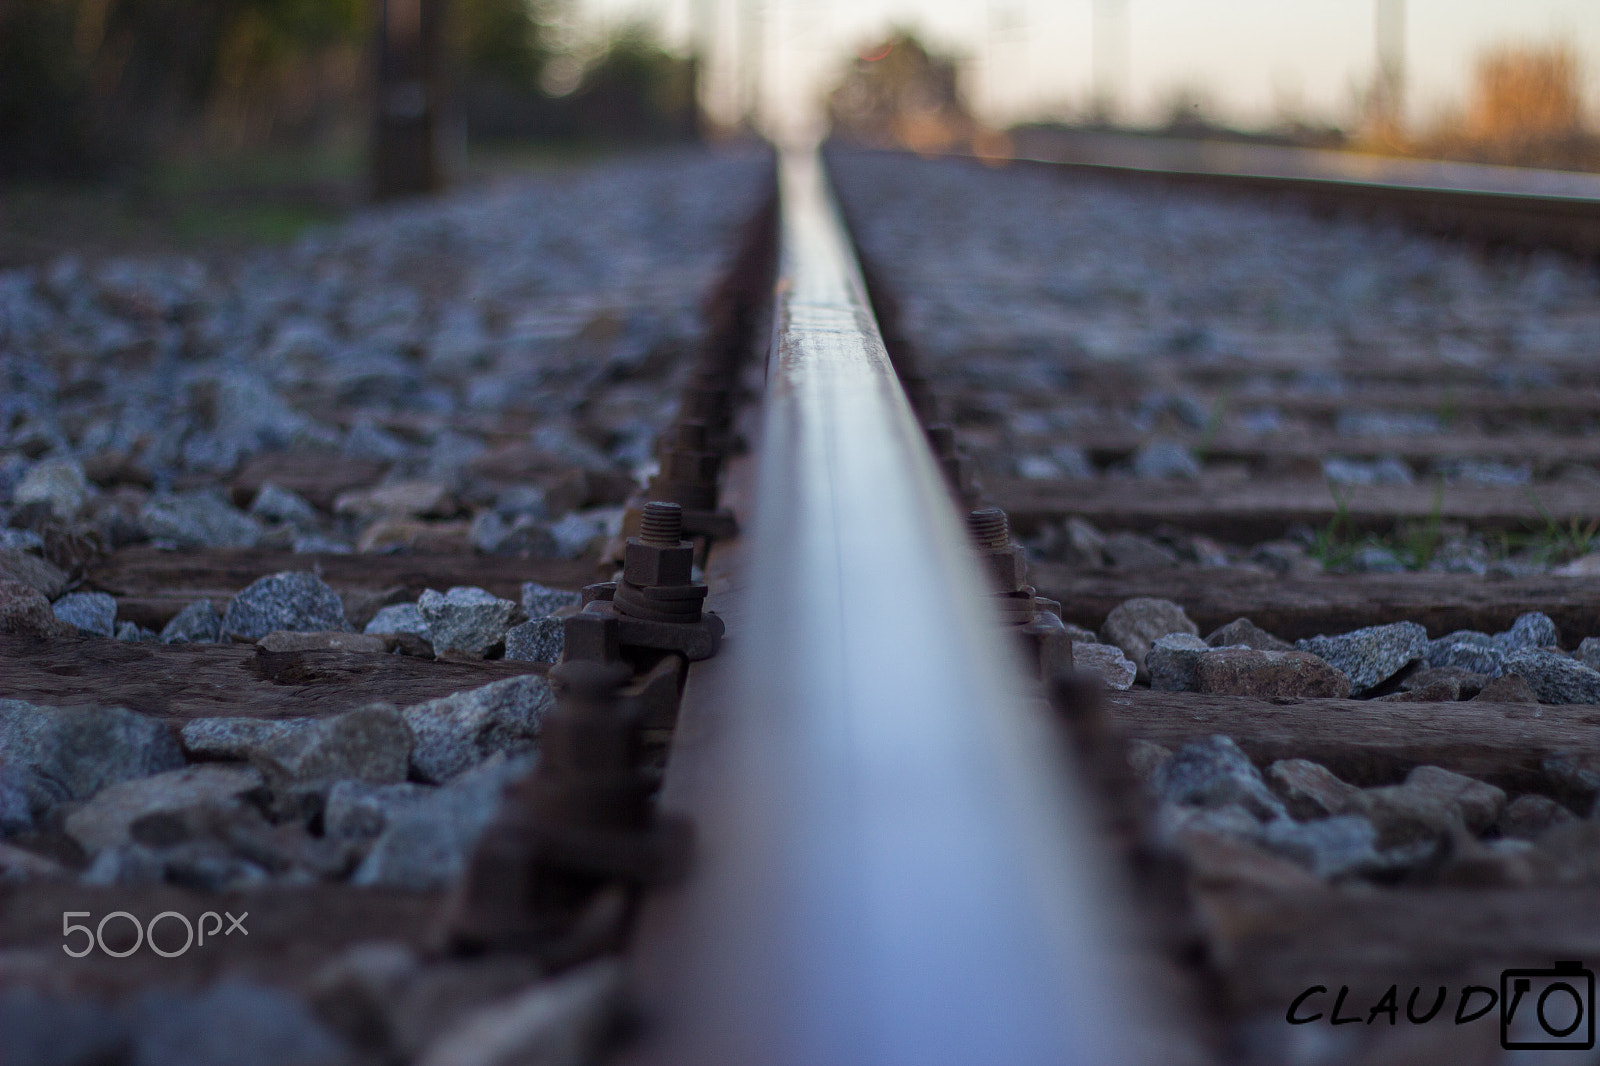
(1547, 1010)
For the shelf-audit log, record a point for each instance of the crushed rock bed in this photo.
(1053, 314)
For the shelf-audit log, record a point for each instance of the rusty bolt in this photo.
(659, 555)
(1002, 560)
(697, 468)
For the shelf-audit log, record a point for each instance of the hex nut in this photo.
(1007, 569)
(650, 564)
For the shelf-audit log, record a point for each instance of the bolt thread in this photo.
(662, 524)
(989, 528)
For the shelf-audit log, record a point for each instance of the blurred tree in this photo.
(636, 89)
(503, 40)
(897, 92)
(1523, 92)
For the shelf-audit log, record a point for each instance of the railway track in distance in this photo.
(1516, 206)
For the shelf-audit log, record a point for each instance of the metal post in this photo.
(409, 78)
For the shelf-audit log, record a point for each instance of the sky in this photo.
(1253, 61)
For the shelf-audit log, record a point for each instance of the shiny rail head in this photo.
(892, 867)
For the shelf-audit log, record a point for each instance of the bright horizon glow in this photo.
(1252, 61)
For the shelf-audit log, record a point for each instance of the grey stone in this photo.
(105, 820)
(198, 623)
(1172, 659)
(371, 743)
(24, 612)
(1174, 821)
(280, 641)
(131, 864)
(211, 866)
(198, 520)
(1081, 544)
(317, 544)
(458, 731)
(1442, 645)
(1529, 817)
(1386, 471)
(21, 540)
(541, 602)
(1268, 675)
(134, 633)
(38, 574)
(276, 504)
(1105, 662)
(1328, 847)
(237, 738)
(1285, 557)
(1310, 790)
(20, 866)
(230, 1023)
(1530, 631)
(296, 600)
(359, 810)
(1478, 804)
(1242, 631)
(426, 839)
(72, 753)
(559, 1022)
(16, 811)
(58, 483)
(94, 613)
(1079, 635)
(1214, 772)
(1442, 690)
(1133, 551)
(400, 618)
(1145, 757)
(1588, 652)
(1370, 656)
(1508, 688)
(1554, 677)
(1467, 682)
(1133, 626)
(539, 641)
(1375, 559)
(523, 535)
(1161, 459)
(1409, 814)
(465, 619)
(574, 533)
(1574, 778)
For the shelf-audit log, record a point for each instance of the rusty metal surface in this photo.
(889, 866)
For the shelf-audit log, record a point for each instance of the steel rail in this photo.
(1521, 206)
(890, 867)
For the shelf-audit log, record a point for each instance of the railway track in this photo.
(814, 779)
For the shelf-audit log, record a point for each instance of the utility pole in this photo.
(408, 97)
(1391, 38)
(1110, 45)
